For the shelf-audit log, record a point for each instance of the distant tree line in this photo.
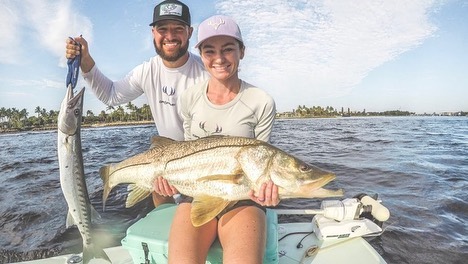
(329, 111)
(12, 119)
(315, 111)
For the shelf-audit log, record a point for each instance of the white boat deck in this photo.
(314, 251)
(354, 250)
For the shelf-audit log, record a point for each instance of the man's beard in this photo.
(175, 57)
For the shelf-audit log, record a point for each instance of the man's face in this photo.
(171, 39)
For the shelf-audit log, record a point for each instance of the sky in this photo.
(373, 55)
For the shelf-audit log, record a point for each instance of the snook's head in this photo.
(294, 178)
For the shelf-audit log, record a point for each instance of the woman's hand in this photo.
(267, 195)
(162, 187)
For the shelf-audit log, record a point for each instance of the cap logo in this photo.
(216, 24)
(170, 10)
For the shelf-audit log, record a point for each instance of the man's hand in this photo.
(72, 49)
(267, 196)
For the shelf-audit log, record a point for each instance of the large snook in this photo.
(72, 178)
(216, 171)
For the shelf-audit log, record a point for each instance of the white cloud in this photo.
(313, 49)
(47, 26)
(40, 83)
(9, 30)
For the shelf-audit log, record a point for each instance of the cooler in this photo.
(147, 239)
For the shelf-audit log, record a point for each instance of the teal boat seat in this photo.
(147, 239)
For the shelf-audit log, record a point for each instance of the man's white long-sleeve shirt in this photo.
(161, 85)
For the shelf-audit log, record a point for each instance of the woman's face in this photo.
(221, 56)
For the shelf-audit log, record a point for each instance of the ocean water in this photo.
(417, 165)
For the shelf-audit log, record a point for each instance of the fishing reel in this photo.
(351, 217)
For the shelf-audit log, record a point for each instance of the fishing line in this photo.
(299, 245)
(295, 233)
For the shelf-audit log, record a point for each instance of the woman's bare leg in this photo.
(189, 244)
(242, 233)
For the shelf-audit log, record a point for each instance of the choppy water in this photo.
(418, 166)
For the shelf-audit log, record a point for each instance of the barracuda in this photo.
(72, 178)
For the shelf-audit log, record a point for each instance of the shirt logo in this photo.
(170, 92)
(170, 10)
(209, 132)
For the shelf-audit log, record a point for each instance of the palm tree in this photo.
(146, 112)
(137, 111)
(38, 111)
(89, 113)
(8, 114)
(102, 116)
(131, 108)
(24, 116)
(53, 116)
(120, 113)
(15, 118)
(44, 116)
(109, 108)
(2, 114)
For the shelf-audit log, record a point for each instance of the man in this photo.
(162, 78)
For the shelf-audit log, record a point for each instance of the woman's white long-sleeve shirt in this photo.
(250, 114)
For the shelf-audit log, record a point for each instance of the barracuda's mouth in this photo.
(73, 100)
(71, 111)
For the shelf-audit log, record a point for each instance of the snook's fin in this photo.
(158, 141)
(136, 194)
(105, 173)
(206, 208)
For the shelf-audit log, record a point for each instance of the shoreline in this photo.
(150, 122)
(51, 128)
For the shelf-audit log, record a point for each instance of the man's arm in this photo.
(107, 91)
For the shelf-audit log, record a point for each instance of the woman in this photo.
(223, 105)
